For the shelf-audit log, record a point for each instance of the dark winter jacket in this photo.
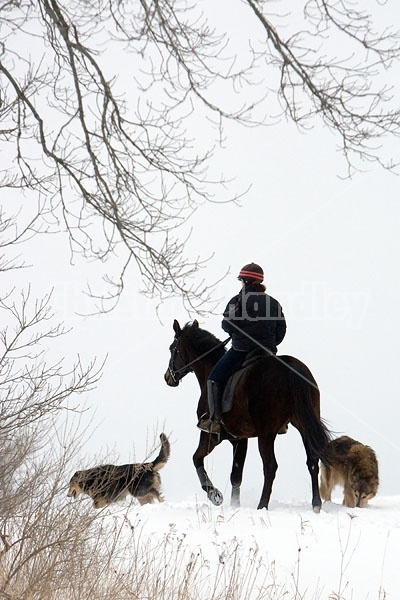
(253, 316)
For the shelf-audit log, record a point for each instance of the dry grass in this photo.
(53, 548)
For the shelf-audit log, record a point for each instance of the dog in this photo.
(353, 466)
(106, 484)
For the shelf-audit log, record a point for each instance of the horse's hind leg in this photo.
(313, 469)
(206, 445)
(239, 456)
(266, 448)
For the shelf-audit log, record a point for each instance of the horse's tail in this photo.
(305, 414)
(161, 460)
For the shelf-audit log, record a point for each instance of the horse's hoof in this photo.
(235, 502)
(317, 509)
(215, 497)
(235, 497)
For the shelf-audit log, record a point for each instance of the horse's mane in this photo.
(202, 341)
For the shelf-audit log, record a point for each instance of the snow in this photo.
(286, 552)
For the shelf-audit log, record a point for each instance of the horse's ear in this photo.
(177, 327)
(195, 323)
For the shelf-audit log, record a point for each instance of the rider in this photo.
(254, 320)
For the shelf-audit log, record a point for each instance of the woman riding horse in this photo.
(254, 320)
(269, 393)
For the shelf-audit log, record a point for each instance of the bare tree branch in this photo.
(121, 157)
(31, 387)
(336, 70)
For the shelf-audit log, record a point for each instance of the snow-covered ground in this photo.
(287, 552)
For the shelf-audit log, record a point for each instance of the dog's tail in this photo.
(161, 460)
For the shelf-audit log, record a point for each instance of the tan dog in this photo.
(108, 483)
(355, 467)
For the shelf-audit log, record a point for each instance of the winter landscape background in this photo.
(330, 249)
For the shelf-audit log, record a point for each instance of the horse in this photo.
(270, 393)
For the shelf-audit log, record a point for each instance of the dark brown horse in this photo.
(270, 393)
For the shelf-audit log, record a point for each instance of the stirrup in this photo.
(209, 425)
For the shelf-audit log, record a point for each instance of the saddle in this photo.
(251, 357)
(256, 354)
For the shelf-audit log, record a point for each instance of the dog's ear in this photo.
(195, 324)
(177, 327)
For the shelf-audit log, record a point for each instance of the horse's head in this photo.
(179, 362)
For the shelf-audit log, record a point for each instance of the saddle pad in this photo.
(227, 397)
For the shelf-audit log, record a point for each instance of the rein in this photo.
(177, 374)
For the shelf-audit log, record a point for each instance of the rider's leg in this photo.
(225, 367)
(212, 423)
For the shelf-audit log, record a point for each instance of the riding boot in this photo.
(212, 424)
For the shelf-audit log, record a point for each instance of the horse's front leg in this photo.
(206, 445)
(239, 456)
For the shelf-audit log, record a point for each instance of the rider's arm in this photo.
(280, 326)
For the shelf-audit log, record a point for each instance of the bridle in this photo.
(178, 374)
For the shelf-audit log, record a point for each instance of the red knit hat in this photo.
(252, 273)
